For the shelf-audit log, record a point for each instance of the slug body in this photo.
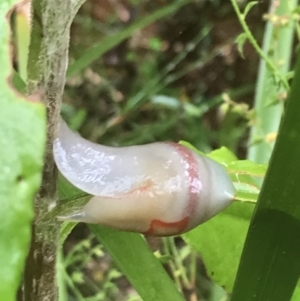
(157, 189)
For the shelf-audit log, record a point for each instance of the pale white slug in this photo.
(157, 189)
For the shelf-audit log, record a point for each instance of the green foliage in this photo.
(161, 78)
(137, 262)
(220, 242)
(272, 250)
(241, 40)
(22, 139)
(248, 7)
(243, 37)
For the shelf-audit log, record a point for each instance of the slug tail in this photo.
(79, 216)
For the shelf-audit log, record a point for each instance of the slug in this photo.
(157, 189)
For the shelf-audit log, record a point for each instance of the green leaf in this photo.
(246, 192)
(222, 155)
(246, 176)
(220, 242)
(296, 295)
(192, 147)
(22, 140)
(65, 230)
(248, 7)
(241, 40)
(109, 42)
(247, 167)
(135, 259)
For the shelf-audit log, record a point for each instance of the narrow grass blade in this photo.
(137, 262)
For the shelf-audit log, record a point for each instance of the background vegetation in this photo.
(144, 71)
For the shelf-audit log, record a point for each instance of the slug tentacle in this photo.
(156, 189)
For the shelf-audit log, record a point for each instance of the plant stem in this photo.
(269, 63)
(47, 64)
(171, 263)
(278, 42)
(179, 265)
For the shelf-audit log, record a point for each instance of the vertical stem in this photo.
(277, 45)
(171, 263)
(47, 64)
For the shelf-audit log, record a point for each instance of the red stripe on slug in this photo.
(158, 227)
(195, 184)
